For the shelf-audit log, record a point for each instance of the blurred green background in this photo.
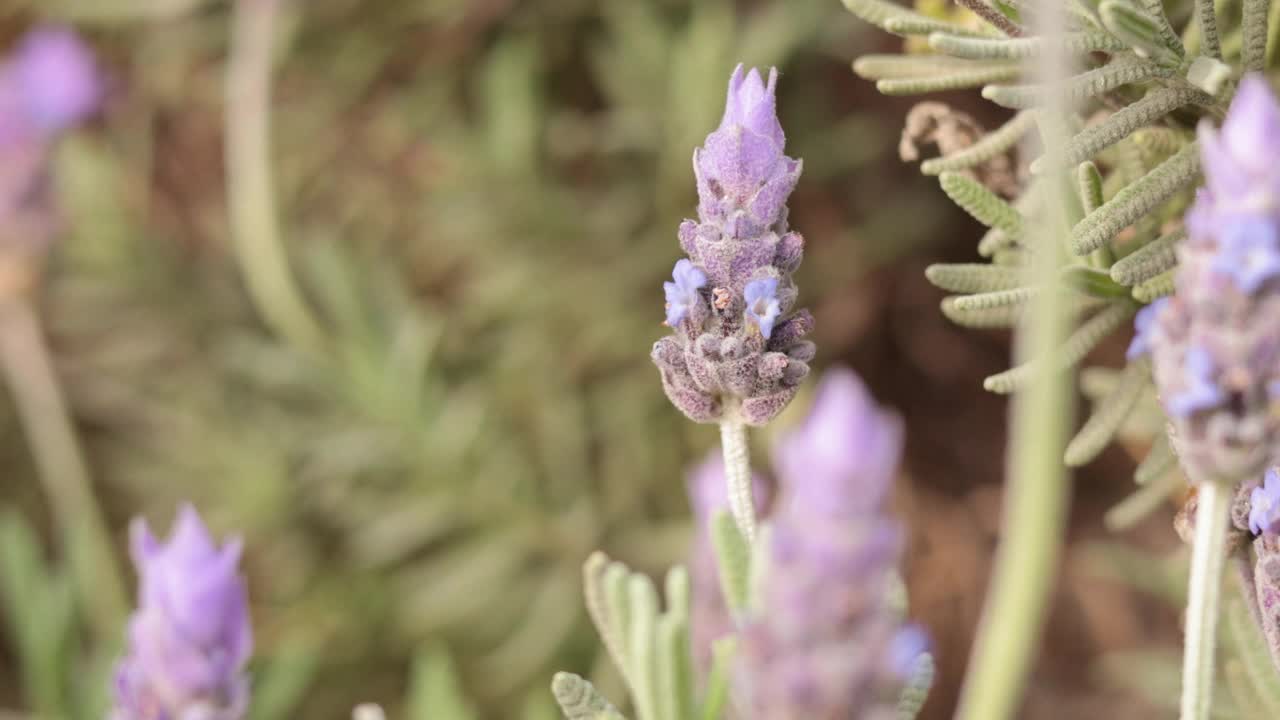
(479, 200)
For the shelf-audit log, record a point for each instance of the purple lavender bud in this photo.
(48, 84)
(709, 618)
(57, 77)
(1264, 505)
(1214, 345)
(725, 347)
(682, 295)
(827, 641)
(190, 638)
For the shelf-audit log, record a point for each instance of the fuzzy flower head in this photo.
(1264, 505)
(190, 638)
(48, 85)
(827, 641)
(740, 344)
(1215, 345)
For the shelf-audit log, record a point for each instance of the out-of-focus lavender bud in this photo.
(1214, 344)
(48, 84)
(1264, 505)
(57, 78)
(827, 642)
(190, 637)
(739, 343)
(709, 617)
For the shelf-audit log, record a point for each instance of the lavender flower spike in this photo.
(1213, 344)
(739, 346)
(827, 642)
(47, 85)
(190, 637)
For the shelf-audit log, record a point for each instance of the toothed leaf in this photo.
(1136, 200)
(1148, 261)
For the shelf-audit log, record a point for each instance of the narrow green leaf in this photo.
(434, 690)
(618, 604)
(1141, 30)
(1019, 48)
(952, 81)
(991, 145)
(716, 698)
(579, 699)
(1115, 74)
(1207, 17)
(1251, 646)
(642, 659)
(733, 557)
(282, 684)
(998, 317)
(1155, 9)
(1253, 23)
(1123, 123)
(1108, 415)
(1136, 200)
(1157, 287)
(1248, 703)
(597, 601)
(1092, 282)
(973, 277)
(1148, 261)
(1142, 502)
(1016, 297)
(675, 669)
(985, 206)
(916, 690)
(920, 67)
(1077, 346)
(1158, 461)
(1089, 185)
(995, 240)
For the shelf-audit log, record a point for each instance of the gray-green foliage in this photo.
(1144, 78)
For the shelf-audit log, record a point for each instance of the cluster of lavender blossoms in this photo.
(737, 344)
(827, 642)
(190, 638)
(47, 86)
(1215, 344)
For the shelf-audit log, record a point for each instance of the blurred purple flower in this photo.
(827, 641)
(1201, 391)
(744, 248)
(58, 79)
(682, 295)
(1213, 343)
(1142, 324)
(190, 637)
(1264, 505)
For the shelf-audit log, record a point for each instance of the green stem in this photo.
(737, 470)
(31, 378)
(1208, 556)
(250, 189)
(1036, 488)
